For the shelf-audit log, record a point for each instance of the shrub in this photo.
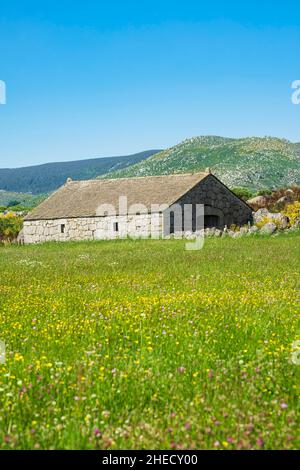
(264, 192)
(10, 226)
(292, 211)
(243, 193)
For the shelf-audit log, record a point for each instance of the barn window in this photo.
(62, 228)
(116, 226)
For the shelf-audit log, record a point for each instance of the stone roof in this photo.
(83, 198)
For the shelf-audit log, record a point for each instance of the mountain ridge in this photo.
(251, 162)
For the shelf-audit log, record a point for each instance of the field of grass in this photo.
(141, 344)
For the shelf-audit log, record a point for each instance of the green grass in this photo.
(141, 344)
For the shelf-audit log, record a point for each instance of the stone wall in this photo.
(218, 200)
(92, 228)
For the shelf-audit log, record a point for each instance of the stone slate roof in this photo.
(82, 198)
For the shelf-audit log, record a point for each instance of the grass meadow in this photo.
(142, 344)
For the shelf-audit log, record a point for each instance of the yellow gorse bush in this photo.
(10, 225)
(292, 211)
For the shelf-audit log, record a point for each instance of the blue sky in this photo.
(100, 78)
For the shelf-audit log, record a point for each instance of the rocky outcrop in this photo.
(263, 215)
(281, 220)
(269, 228)
(297, 223)
(282, 201)
(268, 223)
(258, 201)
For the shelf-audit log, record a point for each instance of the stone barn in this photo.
(135, 207)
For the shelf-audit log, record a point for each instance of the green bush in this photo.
(243, 193)
(264, 192)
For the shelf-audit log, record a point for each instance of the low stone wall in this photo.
(92, 228)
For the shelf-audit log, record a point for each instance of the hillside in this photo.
(8, 198)
(48, 177)
(255, 163)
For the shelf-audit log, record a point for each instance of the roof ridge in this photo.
(138, 177)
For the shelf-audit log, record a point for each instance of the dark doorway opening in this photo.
(211, 221)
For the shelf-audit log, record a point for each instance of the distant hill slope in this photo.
(24, 199)
(48, 177)
(255, 163)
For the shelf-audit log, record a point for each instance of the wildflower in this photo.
(260, 442)
(283, 406)
(97, 432)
